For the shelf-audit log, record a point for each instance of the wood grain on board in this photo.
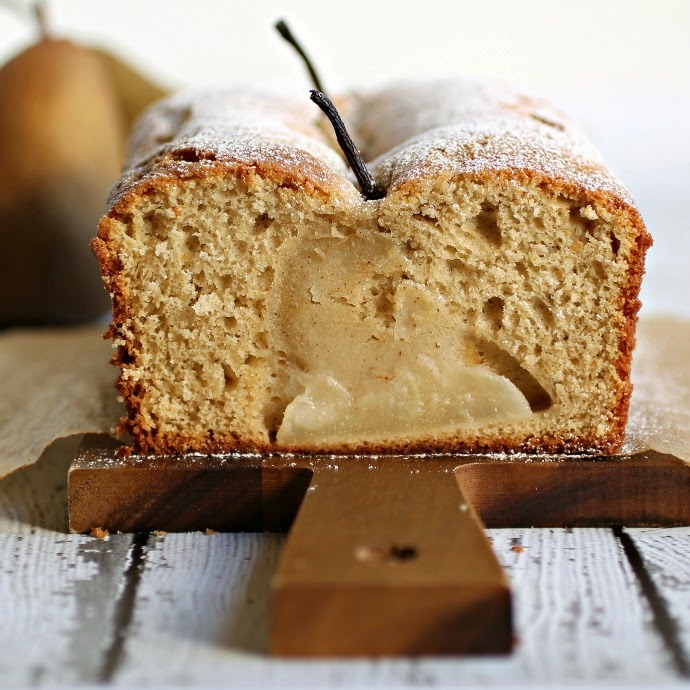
(385, 558)
(386, 555)
(59, 592)
(245, 493)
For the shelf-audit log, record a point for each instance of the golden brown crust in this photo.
(153, 443)
(295, 168)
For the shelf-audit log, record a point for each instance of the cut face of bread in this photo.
(487, 303)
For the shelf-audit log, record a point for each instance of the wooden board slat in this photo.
(58, 591)
(665, 560)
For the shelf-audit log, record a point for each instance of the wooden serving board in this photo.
(386, 555)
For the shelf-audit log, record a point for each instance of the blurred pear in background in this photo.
(65, 114)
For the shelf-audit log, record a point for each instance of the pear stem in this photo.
(370, 189)
(39, 8)
(284, 30)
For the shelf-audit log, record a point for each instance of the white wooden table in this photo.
(593, 606)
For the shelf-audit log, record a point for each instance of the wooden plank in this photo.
(180, 494)
(579, 618)
(663, 556)
(58, 592)
(644, 489)
(579, 611)
(385, 558)
(253, 492)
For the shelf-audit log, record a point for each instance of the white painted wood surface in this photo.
(580, 617)
(57, 591)
(665, 555)
(193, 610)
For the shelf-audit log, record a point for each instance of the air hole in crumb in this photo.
(384, 300)
(191, 240)
(599, 270)
(486, 224)
(393, 554)
(542, 311)
(586, 225)
(230, 322)
(506, 365)
(409, 248)
(252, 360)
(261, 340)
(425, 219)
(263, 222)
(273, 412)
(456, 265)
(493, 310)
(230, 377)
(242, 246)
(267, 277)
(615, 243)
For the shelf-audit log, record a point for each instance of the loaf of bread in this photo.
(486, 304)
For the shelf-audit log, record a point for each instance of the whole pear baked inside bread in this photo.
(487, 303)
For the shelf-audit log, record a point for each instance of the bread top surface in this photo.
(410, 133)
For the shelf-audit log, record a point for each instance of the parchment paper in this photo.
(55, 383)
(660, 407)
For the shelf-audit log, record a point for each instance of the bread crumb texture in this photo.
(487, 303)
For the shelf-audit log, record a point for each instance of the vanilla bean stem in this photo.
(284, 30)
(366, 180)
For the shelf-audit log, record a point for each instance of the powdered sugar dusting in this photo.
(413, 130)
(418, 129)
(250, 127)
